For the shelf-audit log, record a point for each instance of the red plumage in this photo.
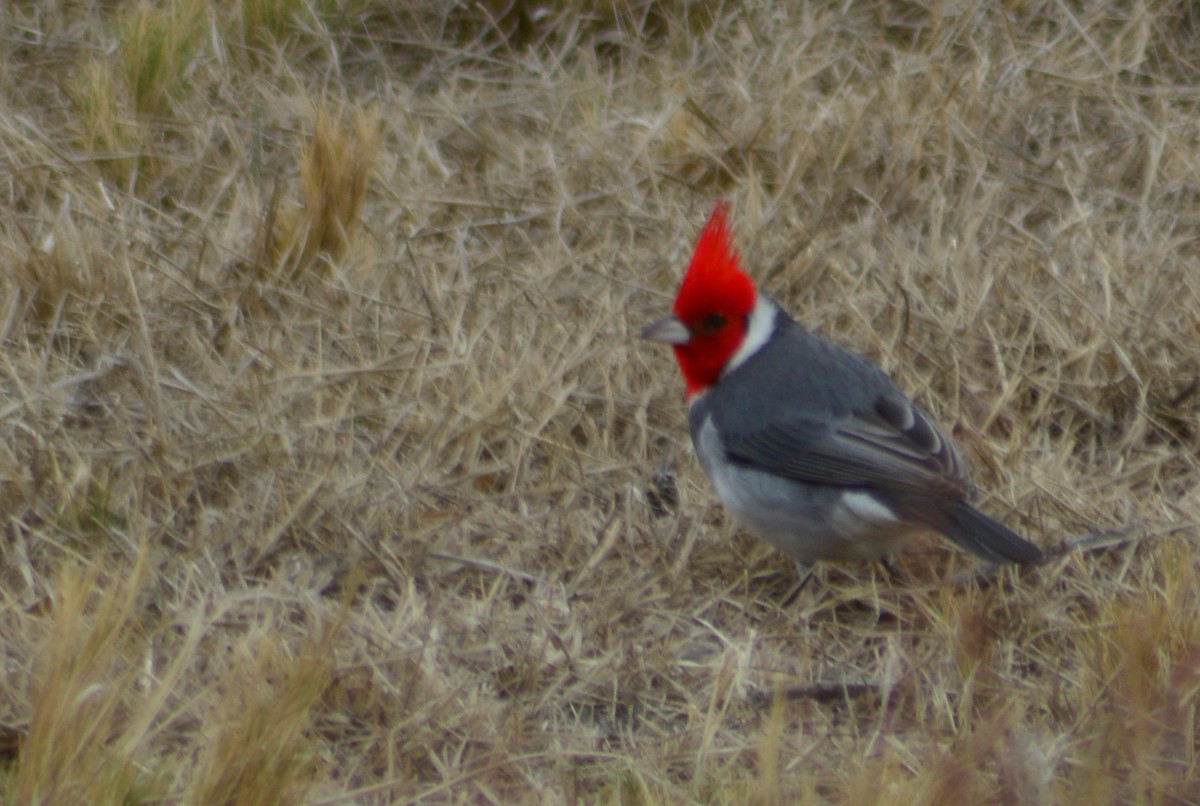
(714, 301)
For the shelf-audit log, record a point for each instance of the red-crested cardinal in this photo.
(810, 446)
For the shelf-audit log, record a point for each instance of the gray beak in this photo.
(668, 330)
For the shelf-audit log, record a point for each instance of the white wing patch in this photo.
(861, 526)
(867, 507)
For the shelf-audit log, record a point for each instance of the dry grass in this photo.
(329, 451)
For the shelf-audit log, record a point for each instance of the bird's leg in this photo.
(804, 572)
(888, 567)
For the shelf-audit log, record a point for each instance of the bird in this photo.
(809, 445)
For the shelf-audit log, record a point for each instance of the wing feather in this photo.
(894, 445)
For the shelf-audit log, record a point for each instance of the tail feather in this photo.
(989, 539)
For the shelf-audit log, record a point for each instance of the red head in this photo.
(712, 309)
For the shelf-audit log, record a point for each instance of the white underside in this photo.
(809, 522)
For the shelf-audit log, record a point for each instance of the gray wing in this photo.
(835, 418)
(893, 445)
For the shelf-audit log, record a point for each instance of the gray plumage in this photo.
(817, 451)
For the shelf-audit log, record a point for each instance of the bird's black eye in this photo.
(712, 323)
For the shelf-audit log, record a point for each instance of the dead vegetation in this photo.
(332, 470)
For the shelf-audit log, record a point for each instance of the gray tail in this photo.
(989, 539)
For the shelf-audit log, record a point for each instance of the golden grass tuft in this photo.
(106, 127)
(335, 169)
(332, 469)
(124, 100)
(157, 45)
(80, 741)
(64, 274)
(259, 748)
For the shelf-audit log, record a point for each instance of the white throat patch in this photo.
(760, 328)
